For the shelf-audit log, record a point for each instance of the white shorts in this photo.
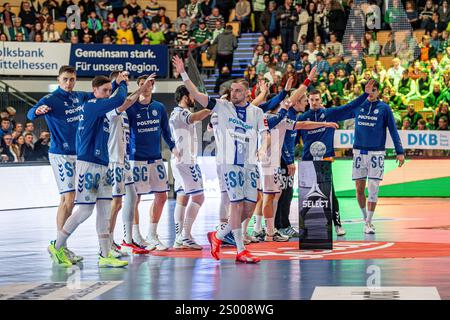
(270, 179)
(222, 184)
(241, 182)
(188, 178)
(150, 177)
(368, 164)
(63, 167)
(121, 177)
(94, 182)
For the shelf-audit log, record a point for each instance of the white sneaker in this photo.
(340, 231)
(276, 237)
(155, 244)
(250, 239)
(178, 244)
(189, 243)
(369, 229)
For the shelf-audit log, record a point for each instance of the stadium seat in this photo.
(418, 104)
(370, 62)
(386, 61)
(207, 63)
(236, 27)
(382, 37)
(15, 10)
(418, 34)
(60, 26)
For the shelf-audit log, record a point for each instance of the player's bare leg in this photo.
(258, 217)
(361, 196)
(65, 208)
(195, 203)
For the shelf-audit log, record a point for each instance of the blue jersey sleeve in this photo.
(274, 102)
(394, 132)
(103, 106)
(346, 111)
(32, 112)
(165, 129)
(273, 121)
(286, 155)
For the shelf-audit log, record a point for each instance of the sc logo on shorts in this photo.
(140, 174)
(234, 179)
(377, 161)
(92, 181)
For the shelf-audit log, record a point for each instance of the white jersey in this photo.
(184, 134)
(237, 132)
(277, 135)
(214, 122)
(119, 136)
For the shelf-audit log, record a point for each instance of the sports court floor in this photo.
(410, 249)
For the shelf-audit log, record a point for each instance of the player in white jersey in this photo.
(186, 171)
(123, 183)
(239, 125)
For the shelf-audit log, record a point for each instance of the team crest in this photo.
(154, 113)
(87, 198)
(362, 109)
(70, 185)
(376, 111)
(322, 116)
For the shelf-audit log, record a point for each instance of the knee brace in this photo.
(103, 216)
(373, 187)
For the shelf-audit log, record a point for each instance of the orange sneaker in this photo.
(215, 244)
(246, 257)
(133, 248)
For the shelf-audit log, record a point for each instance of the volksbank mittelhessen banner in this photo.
(45, 59)
(33, 59)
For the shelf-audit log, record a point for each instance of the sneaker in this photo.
(250, 239)
(369, 229)
(340, 231)
(155, 244)
(133, 248)
(229, 240)
(59, 256)
(189, 243)
(289, 232)
(119, 249)
(276, 237)
(72, 256)
(246, 257)
(178, 244)
(259, 235)
(114, 253)
(215, 244)
(111, 262)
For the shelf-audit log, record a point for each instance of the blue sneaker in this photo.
(229, 240)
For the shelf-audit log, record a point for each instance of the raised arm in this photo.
(275, 101)
(297, 94)
(132, 98)
(263, 91)
(309, 125)
(199, 115)
(201, 98)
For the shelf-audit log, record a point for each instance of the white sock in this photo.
(270, 225)
(81, 213)
(105, 246)
(237, 233)
(245, 226)
(224, 204)
(102, 226)
(224, 229)
(364, 213)
(137, 234)
(111, 238)
(128, 212)
(191, 214)
(179, 218)
(152, 231)
(257, 227)
(369, 216)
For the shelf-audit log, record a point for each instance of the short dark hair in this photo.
(98, 81)
(114, 75)
(5, 119)
(28, 122)
(28, 134)
(314, 92)
(422, 122)
(180, 92)
(68, 69)
(143, 77)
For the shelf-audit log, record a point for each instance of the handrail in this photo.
(18, 94)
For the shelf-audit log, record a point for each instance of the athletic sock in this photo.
(152, 231)
(128, 212)
(81, 213)
(137, 234)
(257, 227)
(364, 213)
(224, 229)
(223, 209)
(179, 218)
(270, 225)
(191, 213)
(61, 240)
(237, 233)
(369, 216)
(245, 226)
(105, 246)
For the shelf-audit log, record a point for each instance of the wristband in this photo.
(307, 82)
(184, 76)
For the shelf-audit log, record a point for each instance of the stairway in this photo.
(242, 58)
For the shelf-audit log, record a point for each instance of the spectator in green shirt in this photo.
(430, 123)
(156, 36)
(435, 97)
(202, 38)
(413, 116)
